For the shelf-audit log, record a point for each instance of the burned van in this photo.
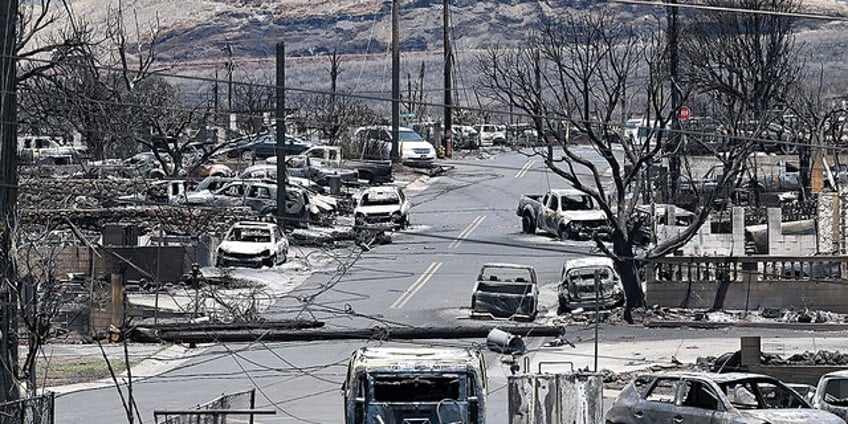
(415, 385)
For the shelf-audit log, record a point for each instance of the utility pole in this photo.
(230, 66)
(280, 118)
(395, 156)
(8, 204)
(674, 137)
(447, 142)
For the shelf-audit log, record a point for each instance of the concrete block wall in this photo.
(750, 294)
(706, 243)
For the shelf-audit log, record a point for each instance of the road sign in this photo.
(684, 113)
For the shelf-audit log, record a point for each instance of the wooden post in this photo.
(117, 307)
(750, 357)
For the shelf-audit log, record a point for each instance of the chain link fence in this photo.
(211, 412)
(34, 410)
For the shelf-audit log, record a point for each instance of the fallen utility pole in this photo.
(379, 333)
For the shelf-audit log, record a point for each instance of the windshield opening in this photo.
(836, 392)
(409, 136)
(416, 388)
(379, 200)
(250, 235)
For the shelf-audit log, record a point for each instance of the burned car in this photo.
(505, 291)
(694, 397)
(577, 284)
(831, 394)
(415, 385)
(252, 244)
(382, 206)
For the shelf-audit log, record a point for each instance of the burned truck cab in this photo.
(415, 385)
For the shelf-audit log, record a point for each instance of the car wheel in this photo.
(527, 224)
(564, 233)
(788, 148)
(405, 223)
(270, 262)
(248, 155)
(285, 257)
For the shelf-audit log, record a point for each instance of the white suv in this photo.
(376, 143)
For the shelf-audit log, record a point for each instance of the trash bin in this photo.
(335, 183)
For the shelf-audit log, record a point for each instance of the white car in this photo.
(253, 244)
(414, 150)
(382, 205)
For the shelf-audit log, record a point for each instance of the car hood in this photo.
(841, 411)
(367, 210)
(198, 196)
(247, 248)
(793, 416)
(590, 215)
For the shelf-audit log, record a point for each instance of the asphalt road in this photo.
(422, 279)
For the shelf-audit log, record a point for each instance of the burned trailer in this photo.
(505, 291)
(421, 385)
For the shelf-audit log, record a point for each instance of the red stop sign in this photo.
(684, 113)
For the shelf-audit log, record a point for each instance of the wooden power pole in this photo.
(280, 119)
(447, 143)
(8, 204)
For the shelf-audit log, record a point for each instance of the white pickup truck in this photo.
(46, 149)
(565, 213)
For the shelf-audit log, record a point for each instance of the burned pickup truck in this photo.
(505, 291)
(565, 213)
(415, 385)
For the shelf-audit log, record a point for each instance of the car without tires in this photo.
(252, 244)
(697, 397)
(386, 206)
(577, 289)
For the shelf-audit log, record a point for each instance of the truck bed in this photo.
(504, 299)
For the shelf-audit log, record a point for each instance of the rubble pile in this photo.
(821, 357)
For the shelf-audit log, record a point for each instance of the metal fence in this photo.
(34, 410)
(213, 412)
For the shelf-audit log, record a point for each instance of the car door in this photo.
(659, 404)
(266, 147)
(699, 403)
(551, 213)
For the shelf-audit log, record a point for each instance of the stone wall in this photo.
(45, 201)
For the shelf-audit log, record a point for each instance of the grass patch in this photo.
(79, 369)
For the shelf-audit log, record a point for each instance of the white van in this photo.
(376, 143)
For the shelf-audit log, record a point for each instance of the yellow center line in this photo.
(524, 169)
(417, 285)
(466, 232)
